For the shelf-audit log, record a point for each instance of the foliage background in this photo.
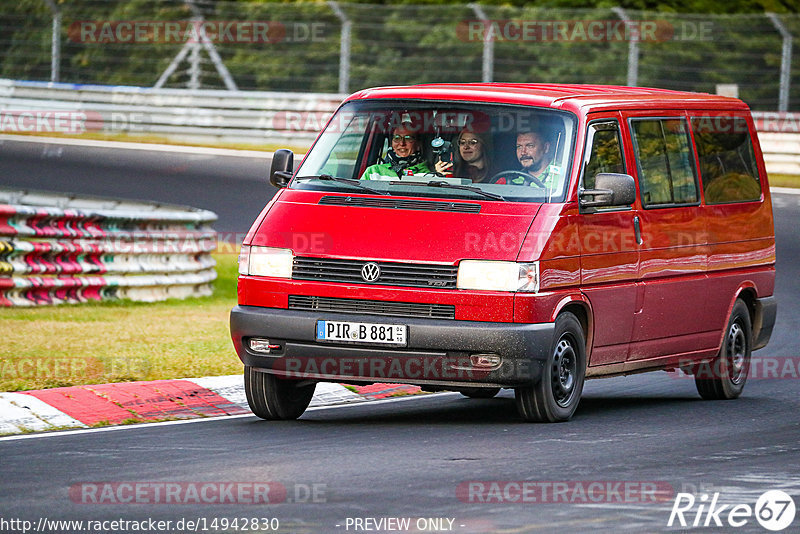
(413, 42)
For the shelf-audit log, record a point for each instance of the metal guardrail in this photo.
(779, 135)
(65, 249)
(207, 116)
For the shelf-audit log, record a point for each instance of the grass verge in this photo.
(784, 180)
(120, 341)
(163, 140)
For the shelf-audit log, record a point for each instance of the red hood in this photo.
(297, 221)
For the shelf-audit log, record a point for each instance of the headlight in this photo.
(498, 275)
(266, 261)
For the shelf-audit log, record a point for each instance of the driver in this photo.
(533, 154)
(403, 158)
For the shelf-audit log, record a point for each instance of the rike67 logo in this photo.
(774, 510)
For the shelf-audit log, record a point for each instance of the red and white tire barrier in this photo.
(57, 248)
(158, 400)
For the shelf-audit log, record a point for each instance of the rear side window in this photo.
(727, 161)
(604, 151)
(664, 159)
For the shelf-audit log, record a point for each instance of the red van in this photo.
(487, 236)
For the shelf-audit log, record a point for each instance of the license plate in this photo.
(387, 334)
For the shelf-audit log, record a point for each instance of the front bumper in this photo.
(438, 351)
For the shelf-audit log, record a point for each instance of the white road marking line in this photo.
(216, 418)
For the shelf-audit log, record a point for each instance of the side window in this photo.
(603, 151)
(727, 161)
(664, 157)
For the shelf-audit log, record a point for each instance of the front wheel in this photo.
(554, 397)
(725, 376)
(271, 397)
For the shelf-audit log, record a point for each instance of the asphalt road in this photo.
(234, 187)
(409, 457)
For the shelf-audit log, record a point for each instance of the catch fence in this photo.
(340, 47)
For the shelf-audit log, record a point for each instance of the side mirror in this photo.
(282, 165)
(611, 189)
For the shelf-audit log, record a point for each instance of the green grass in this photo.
(120, 341)
(784, 180)
(155, 139)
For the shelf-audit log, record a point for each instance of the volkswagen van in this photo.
(608, 231)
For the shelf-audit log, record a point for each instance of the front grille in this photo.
(372, 307)
(401, 204)
(392, 274)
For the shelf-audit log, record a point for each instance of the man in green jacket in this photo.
(402, 159)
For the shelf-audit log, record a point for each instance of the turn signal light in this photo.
(485, 361)
(262, 345)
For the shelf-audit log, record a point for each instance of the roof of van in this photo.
(587, 97)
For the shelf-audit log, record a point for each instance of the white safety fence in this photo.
(66, 249)
(249, 117)
(779, 135)
(205, 116)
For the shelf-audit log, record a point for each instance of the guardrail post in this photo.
(633, 47)
(194, 66)
(55, 47)
(344, 47)
(786, 61)
(487, 65)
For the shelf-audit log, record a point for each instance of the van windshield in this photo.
(443, 149)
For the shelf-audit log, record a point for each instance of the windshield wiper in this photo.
(348, 181)
(448, 185)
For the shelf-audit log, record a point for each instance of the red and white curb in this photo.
(113, 404)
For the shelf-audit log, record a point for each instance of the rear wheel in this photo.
(271, 397)
(480, 393)
(554, 397)
(725, 376)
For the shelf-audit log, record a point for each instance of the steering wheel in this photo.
(524, 175)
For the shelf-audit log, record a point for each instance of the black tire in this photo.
(272, 398)
(480, 393)
(554, 397)
(724, 377)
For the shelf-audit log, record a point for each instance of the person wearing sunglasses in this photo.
(403, 158)
(473, 158)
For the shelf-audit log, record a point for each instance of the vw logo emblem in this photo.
(370, 272)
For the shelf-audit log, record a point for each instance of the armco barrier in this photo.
(779, 135)
(207, 116)
(64, 249)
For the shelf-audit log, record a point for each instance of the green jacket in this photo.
(547, 177)
(374, 172)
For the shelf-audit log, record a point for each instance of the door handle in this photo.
(638, 230)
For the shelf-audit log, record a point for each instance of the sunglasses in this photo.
(403, 138)
(468, 142)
